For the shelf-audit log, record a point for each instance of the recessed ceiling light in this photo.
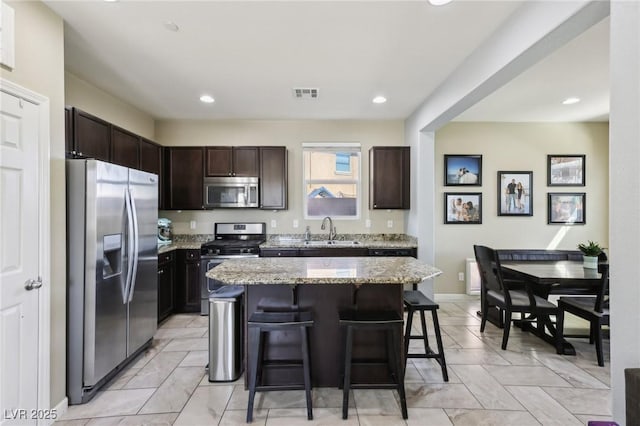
(207, 99)
(570, 101)
(171, 26)
(379, 100)
(110, 1)
(439, 2)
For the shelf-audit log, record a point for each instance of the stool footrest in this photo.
(266, 388)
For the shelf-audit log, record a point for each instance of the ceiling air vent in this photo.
(305, 93)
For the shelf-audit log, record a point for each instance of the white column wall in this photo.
(624, 203)
(535, 30)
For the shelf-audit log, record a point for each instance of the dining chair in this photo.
(497, 293)
(594, 309)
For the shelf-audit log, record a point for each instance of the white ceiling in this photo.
(250, 55)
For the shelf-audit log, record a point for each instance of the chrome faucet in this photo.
(332, 229)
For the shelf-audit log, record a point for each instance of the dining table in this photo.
(562, 277)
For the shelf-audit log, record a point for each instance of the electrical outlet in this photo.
(367, 223)
(389, 224)
(460, 276)
(273, 223)
(295, 223)
(192, 224)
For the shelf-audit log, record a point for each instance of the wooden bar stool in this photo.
(259, 324)
(384, 320)
(416, 301)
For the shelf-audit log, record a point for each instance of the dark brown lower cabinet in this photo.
(187, 282)
(166, 272)
(327, 337)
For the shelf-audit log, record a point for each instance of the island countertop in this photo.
(323, 270)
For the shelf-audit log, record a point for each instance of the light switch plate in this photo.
(389, 224)
(273, 223)
(192, 224)
(367, 223)
(295, 223)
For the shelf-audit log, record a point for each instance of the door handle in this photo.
(33, 284)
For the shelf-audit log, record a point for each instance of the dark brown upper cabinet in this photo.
(150, 156)
(273, 177)
(68, 130)
(91, 136)
(389, 177)
(232, 161)
(184, 174)
(125, 148)
(151, 161)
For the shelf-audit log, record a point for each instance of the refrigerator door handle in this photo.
(131, 254)
(136, 248)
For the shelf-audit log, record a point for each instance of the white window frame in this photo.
(333, 147)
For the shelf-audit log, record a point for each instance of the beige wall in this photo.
(89, 98)
(39, 66)
(290, 134)
(519, 147)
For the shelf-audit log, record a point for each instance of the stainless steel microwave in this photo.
(223, 192)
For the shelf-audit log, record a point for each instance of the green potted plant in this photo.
(590, 253)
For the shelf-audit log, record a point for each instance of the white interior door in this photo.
(19, 259)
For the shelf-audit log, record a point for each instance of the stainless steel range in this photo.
(232, 241)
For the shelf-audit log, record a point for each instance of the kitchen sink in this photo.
(332, 243)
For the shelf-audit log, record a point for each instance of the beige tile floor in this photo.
(526, 385)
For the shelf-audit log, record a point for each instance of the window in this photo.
(331, 174)
(343, 162)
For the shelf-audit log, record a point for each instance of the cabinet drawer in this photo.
(192, 254)
(393, 252)
(286, 252)
(165, 258)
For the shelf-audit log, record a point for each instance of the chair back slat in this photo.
(602, 295)
(490, 271)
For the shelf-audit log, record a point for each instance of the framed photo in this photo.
(515, 193)
(565, 170)
(463, 207)
(463, 170)
(567, 208)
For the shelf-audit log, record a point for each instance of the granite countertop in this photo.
(323, 270)
(194, 241)
(363, 240)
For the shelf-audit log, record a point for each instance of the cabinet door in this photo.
(185, 178)
(151, 161)
(91, 136)
(219, 161)
(273, 178)
(389, 177)
(68, 131)
(187, 281)
(192, 287)
(165, 290)
(150, 158)
(125, 148)
(245, 161)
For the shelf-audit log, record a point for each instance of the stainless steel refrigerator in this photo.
(112, 268)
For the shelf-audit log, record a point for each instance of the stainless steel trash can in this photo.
(225, 333)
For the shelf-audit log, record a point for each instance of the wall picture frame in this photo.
(462, 170)
(463, 208)
(566, 208)
(566, 170)
(515, 193)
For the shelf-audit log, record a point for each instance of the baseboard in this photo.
(445, 297)
(60, 409)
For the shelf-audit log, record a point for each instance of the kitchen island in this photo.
(324, 285)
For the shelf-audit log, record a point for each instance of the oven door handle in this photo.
(228, 256)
